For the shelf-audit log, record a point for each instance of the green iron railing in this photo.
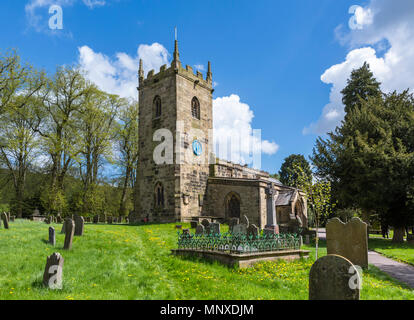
(239, 243)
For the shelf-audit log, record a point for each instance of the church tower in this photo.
(175, 134)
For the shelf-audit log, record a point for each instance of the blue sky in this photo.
(271, 54)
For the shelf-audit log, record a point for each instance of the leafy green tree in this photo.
(370, 158)
(318, 195)
(128, 147)
(292, 167)
(58, 111)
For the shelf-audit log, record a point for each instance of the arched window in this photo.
(159, 195)
(157, 106)
(195, 108)
(232, 205)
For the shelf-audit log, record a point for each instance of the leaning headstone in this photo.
(5, 220)
(69, 231)
(96, 219)
(239, 229)
(52, 277)
(253, 231)
(79, 225)
(333, 277)
(348, 240)
(52, 236)
(232, 223)
(200, 230)
(205, 223)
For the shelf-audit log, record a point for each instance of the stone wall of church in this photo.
(252, 199)
(149, 174)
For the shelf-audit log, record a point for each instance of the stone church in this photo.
(194, 183)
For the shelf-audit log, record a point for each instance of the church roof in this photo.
(285, 198)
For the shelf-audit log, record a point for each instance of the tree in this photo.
(128, 147)
(97, 130)
(17, 80)
(360, 87)
(57, 112)
(19, 145)
(333, 157)
(318, 194)
(289, 171)
(370, 158)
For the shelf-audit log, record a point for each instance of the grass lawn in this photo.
(134, 262)
(397, 251)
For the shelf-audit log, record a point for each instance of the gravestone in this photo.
(348, 240)
(205, 223)
(52, 236)
(59, 219)
(193, 224)
(232, 223)
(95, 219)
(48, 220)
(200, 230)
(253, 231)
(333, 277)
(79, 225)
(69, 231)
(240, 229)
(52, 277)
(270, 232)
(5, 220)
(214, 228)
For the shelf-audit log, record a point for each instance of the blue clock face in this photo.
(197, 148)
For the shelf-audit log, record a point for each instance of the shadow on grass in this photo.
(378, 243)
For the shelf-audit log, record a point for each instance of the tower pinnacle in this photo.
(140, 71)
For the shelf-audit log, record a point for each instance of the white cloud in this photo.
(119, 75)
(389, 21)
(233, 122)
(94, 3)
(199, 67)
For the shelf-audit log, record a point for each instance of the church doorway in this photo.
(232, 206)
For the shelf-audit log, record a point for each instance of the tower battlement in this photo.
(176, 67)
